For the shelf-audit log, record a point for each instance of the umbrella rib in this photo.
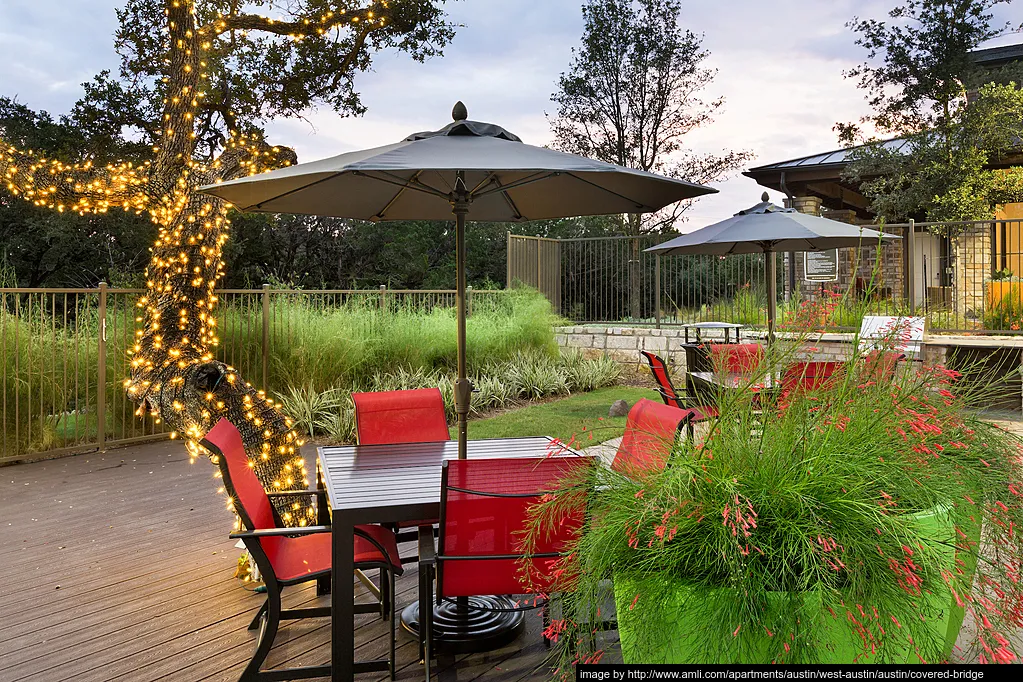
(402, 182)
(380, 214)
(639, 205)
(535, 177)
(508, 200)
(297, 189)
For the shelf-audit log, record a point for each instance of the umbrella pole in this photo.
(463, 388)
(771, 269)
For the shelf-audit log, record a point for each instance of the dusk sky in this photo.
(779, 62)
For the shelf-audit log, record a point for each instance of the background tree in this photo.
(960, 119)
(197, 83)
(630, 95)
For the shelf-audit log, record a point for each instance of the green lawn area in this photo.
(578, 415)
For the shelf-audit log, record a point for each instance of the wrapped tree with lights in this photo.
(198, 82)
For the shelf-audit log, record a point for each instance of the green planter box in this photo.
(666, 621)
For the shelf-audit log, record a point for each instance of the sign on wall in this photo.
(820, 266)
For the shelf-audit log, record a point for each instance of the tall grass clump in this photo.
(351, 343)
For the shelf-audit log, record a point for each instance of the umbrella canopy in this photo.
(766, 228)
(506, 180)
(469, 169)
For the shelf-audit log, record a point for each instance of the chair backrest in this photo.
(415, 416)
(250, 500)
(808, 376)
(736, 357)
(650, 433)
(910, 331)
(663, 379)
(484, 511)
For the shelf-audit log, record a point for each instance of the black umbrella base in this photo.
(469, 631)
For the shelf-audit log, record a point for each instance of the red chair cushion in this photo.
(294, 558)
(249, 492)
(736, 357)
(482, 525)
(650, 431)
(415, 416)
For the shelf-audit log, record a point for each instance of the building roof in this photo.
(997, 56)
(836, 158)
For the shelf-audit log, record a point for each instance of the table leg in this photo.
(342, 601)
(322, 519)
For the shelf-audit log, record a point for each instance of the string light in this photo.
(178, 333)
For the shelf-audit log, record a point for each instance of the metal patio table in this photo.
(389, 484)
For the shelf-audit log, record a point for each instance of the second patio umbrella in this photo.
(469, 169)
(768, 229)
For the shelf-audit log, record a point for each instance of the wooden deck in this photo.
(117, 566)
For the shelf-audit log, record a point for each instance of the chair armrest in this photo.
(277, 532)
(427, 545)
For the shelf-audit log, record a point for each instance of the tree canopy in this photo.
(962, 121)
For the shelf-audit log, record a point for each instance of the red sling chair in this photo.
(484, 506)
(389, 417)
(740, 358)
(808, 376)
(651, 431)
(290, 556)
(667, 390)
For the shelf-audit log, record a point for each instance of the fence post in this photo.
(266, 335)
(101, 371)
(910, 246)
(383, 296)
(508, 263)
(468, 301)
(538, 264)
(657, 291)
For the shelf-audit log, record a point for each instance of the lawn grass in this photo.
(578, 415)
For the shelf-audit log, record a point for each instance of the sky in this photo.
(779, 68)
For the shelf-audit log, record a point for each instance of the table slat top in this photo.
(358, 477)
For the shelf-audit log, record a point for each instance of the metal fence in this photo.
(64, 355)
(965, 277)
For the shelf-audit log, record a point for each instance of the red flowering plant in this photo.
(833, 520)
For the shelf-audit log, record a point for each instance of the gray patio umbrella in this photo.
(469, 169)
(766, 228)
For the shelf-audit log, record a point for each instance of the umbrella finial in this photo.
(458, 112)
(765, 197)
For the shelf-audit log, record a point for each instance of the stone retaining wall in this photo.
(624, 343)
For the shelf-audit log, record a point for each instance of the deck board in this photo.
(118, 566)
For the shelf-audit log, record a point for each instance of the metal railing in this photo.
(64, 355)
(965, 277)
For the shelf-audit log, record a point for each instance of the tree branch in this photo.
(83, 187)
(373, 17)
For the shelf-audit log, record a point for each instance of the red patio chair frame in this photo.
(291, 556)
(505, 488)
